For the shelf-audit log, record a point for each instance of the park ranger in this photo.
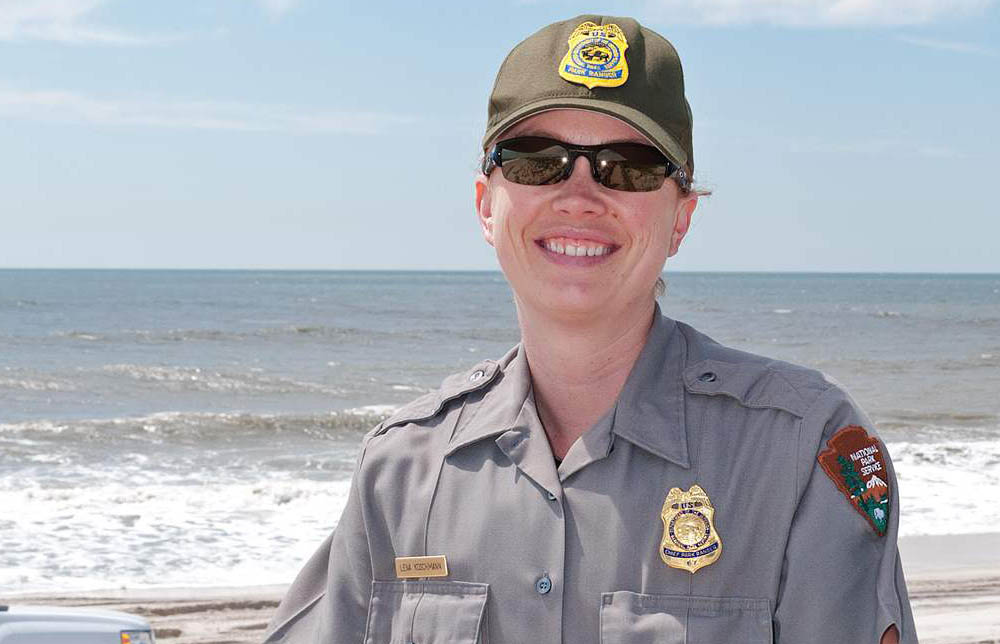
(617, 476)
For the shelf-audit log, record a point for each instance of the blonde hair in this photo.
(660, 288)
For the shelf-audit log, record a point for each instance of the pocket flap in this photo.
(634, 618)
(428, 612)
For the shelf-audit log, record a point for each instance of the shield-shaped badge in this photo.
(596, 56)
(690, 540)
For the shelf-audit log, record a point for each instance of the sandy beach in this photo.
(954, 585)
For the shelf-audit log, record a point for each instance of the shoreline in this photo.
(954, 587)
(953, 583)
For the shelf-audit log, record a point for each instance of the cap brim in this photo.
(662, 139)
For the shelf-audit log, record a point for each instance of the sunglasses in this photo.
(540, 161)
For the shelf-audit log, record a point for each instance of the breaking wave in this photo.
(949, 487)
(205, 425)
(174, 378)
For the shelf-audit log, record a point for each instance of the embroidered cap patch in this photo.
(854, 461)
(596, 56)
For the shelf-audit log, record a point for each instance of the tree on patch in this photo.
(851, 477)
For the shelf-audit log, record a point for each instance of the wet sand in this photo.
(954, 585)
(182, 615)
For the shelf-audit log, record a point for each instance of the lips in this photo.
(575, 247)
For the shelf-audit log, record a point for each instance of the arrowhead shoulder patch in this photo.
(855, 463)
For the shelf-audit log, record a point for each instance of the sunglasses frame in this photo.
(673, 171)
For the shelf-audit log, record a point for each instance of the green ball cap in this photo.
(651, 98)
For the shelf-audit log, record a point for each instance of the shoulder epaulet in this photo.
(758, 383)
(430, 404)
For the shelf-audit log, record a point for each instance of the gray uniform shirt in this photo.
(540, 553)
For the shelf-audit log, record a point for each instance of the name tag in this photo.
(411, 567)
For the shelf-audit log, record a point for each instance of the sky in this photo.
(845, 135)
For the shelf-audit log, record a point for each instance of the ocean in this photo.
(199, 428)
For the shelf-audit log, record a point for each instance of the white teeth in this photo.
(576, 251)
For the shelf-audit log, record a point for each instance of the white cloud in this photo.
(72, 22)
(276, 8)
(816, 12)
(949, 45)
(64, 21)
(939, 152)
(59, 105)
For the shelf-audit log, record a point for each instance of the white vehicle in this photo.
(57, 625)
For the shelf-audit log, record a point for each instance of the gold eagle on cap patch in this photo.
(690, 540)
(596, 56)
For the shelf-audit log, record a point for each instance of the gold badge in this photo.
(689, 541)
(596, 56)
(415, 567)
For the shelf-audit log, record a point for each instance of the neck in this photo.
(579, 366)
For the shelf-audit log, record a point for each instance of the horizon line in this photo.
(474, 270)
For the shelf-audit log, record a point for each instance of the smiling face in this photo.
(576, 249)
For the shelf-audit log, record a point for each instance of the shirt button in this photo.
(477, 374)
(552, 497)
(543, 585)
(708, 376)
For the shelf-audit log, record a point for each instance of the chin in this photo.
(570, 300)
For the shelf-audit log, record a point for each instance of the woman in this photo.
(617, 476)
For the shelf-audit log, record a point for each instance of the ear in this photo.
(483, 211)
(682, 221)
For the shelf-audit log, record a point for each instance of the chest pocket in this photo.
(632, 618)
(426, 612)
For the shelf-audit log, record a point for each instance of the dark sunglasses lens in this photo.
(632, 168)
(532, 161)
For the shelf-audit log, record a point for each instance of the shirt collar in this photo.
(649, 411)
(500, 408)
(650, 408)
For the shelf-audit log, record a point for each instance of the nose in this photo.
(579, 193)
(581, 170)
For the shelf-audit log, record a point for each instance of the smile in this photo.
(575, 247)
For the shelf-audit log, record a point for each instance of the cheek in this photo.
(500, 217)
(650, 224)
(664, 219)
(508, 224)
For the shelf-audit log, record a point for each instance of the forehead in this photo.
(584, 127)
